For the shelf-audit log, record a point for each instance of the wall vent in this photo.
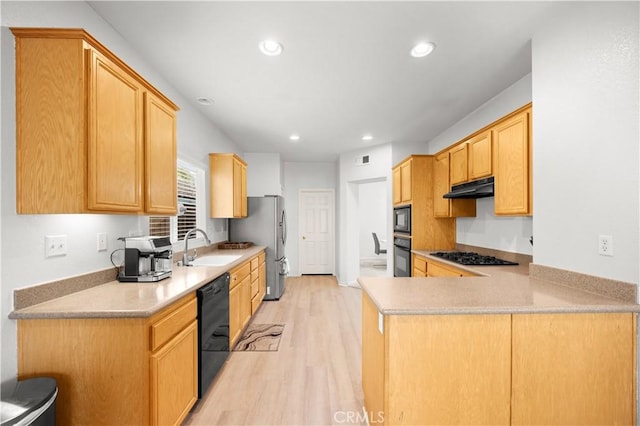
(363, 160)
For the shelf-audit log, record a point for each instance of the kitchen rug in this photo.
(260, 337)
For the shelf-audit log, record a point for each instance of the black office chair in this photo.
(376, 244)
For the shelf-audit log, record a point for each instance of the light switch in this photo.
(55, 245)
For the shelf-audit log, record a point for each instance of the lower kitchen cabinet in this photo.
(429, 268)
(523, 369)
(246, 291)
(438, 369)
(116, 370)
(574, 369)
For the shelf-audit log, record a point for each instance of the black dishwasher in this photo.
(213, 330)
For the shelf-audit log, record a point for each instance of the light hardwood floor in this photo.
(313, 378)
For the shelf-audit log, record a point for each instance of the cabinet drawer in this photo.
(173, 323)
(261, 257)
(254, 287)
(254, 263)
(239, 274)
(254, 276)
(420, 263)
(255, 303)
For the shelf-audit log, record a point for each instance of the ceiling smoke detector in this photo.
(204, 101)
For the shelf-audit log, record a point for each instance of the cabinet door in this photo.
(245, 301)
(397, 194)
(441, 186)
(459, 164)
(262, 280)
(373, 360)
(243, 192)
(160, 157)
(480, 156)
(174, 378)
(511, 163)
(419, 266)
(115, 145)
(234, 314)
(573, 369)
(406, 183)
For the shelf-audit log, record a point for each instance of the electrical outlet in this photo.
(268, 290)
(605, 245)
(55, 245)
(102, 241)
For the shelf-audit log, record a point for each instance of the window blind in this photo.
(177, 227)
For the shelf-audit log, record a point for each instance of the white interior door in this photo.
(317, 235)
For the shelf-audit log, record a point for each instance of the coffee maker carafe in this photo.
(146, 259)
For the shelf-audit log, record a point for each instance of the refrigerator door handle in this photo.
(283, 223)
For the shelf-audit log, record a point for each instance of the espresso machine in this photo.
(146, 259)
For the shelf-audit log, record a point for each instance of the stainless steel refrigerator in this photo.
(266, 225)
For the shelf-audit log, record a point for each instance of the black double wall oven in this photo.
(402, 241)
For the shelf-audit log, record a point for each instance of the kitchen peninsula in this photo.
(501, 347)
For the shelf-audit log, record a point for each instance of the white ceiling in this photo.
(345, 69)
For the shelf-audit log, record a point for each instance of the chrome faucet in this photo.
(186, 259)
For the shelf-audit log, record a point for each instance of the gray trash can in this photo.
(33, 402)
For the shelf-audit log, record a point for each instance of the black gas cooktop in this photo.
(471, 258)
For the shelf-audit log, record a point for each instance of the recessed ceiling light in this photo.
(422, 49)
(294, 137)
(271, 47)
(367, 137)
(204, 101)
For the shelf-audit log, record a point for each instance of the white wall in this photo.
(303, 175)
(373, 212)
(23, 261)
(487, 230)
(586, 137)
(351, 176)
(263, 174)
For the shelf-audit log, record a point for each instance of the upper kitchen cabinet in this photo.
(459, 164)
(403, 182)
(480, 156)
(228, 174)
(92, 135)
(444, 207)
(471, 159)
(512, 162)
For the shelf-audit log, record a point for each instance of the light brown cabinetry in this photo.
(427, 232)
(116, 370)
(443, 382)
(444, 207)
(520, 369)
(574, 369)
(480, 156)
(423, 267)
(87, 129)
(260, 282)
(512, 159)
(403, 182)
(239, 300)
(459, 164)
(419, 266)
(247, 288)
(228, 185)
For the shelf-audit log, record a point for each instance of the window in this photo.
(190, 206)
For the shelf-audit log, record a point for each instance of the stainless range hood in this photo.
(477, 189)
